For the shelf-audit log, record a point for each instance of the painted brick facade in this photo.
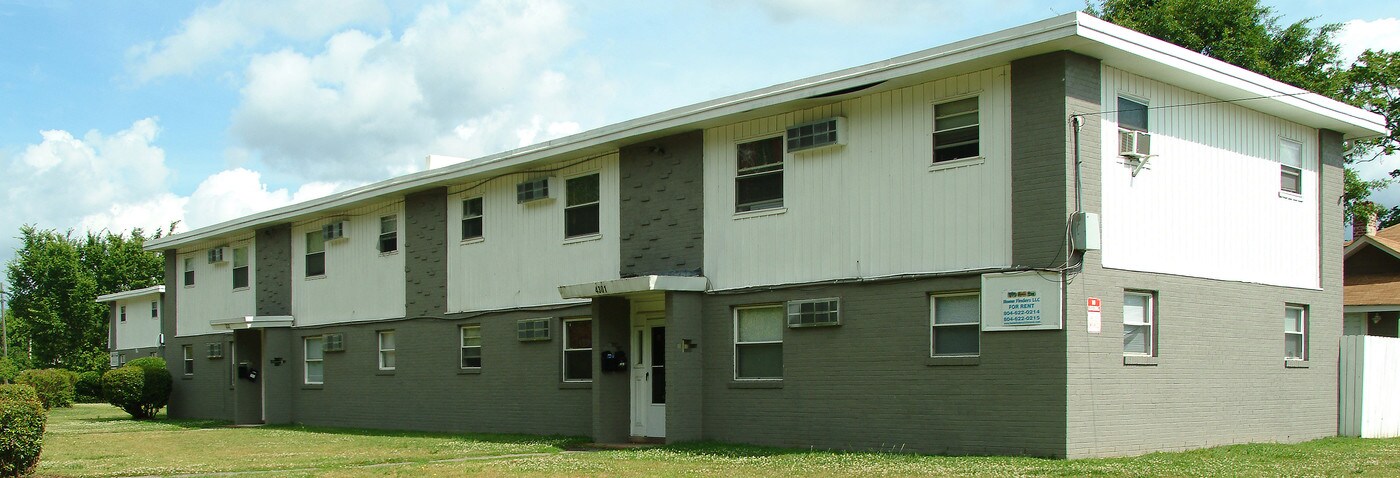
(662, 206)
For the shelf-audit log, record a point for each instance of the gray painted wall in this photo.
(661, 206)
(611, 392)
(425, 249)
(206, 393)
(273, 270)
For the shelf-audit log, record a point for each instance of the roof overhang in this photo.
(1078, 32)
(632, 285)
(1352, 309)
(131, 294)
(1368, 240)
(253, 322)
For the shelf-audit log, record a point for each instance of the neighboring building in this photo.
(881, 257)
(1372, 268)
(134, 323)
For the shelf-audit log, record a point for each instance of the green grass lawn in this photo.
(99, 440)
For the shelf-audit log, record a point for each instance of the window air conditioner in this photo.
(219, 255)
(534, 190)
(817, 134)
(335, 230)
(1134, 144)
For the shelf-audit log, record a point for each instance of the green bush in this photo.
(22, 422)
(141, 387)
(89, 387)
(55, 386)
(8, 370)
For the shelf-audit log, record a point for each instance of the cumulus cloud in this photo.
(233, 24)
(496, 76)
(120, 181)
(1357, 36)
(852, 11)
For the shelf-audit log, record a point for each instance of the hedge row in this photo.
(22, 420)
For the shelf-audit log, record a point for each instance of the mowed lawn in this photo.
(99, 440)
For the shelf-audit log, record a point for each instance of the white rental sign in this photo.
(1030, 300)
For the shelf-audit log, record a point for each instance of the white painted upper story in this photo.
(136, 317)
(211, 288)
(355, 277)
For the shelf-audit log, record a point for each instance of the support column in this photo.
(685, 367)
(612, 318)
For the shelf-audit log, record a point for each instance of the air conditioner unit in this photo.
(335, 230)
(534, 190)
(817, 134)
(334, 343)
(219, 255)
(1134, 144)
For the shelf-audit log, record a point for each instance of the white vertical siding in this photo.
(523, 256)
(140, 329)
(1208, 205)
(212, 297)
(1370, 387)
(873, 207)
(360, 283)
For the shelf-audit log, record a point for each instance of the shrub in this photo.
(89, 387)
(8, 370)
(54, 386)
(141, 387)
(22, 422)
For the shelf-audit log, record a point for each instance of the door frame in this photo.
(642, 412)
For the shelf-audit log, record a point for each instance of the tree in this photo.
(1249, 35)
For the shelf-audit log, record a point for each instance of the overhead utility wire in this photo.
(1212, 102)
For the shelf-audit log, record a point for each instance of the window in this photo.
(956, 130)
(315, 372)
(814, 312)
(1295, 332)
(121, 359)
(123, 313)
(1133, 139)
(240, 268)
(956, 324)
(581, 206)
(155, 309)
(578, 350)
(758, 343)
(1139, 322)
(315, 254)
(759, 182)
(1290, 166)
(386, 350)
(471, 219)
(471, 346)
(189, 271)
(188, 350)
(530, 330)
(1132, 115)
(388, 234)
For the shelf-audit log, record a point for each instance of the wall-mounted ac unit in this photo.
(817, 134)
(219, 255)
(1134, 144)
(335, 230)
(334, 343)
(538, 189)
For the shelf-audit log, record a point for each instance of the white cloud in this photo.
(233, 24)
(1357, 36)
(496, 76)
(853, 11)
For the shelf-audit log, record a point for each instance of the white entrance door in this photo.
(649, 377)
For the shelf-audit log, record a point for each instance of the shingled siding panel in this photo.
(425, 265)
(273, 269)
(662, 209)
(518, 389)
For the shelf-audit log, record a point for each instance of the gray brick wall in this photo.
(425, 253)
(611, 392)
(518, 390)
(206, 393)
(273, 270)
(1040, 174)
(662, 206)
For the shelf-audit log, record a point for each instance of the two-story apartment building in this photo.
(1064, 239)
(133, 323)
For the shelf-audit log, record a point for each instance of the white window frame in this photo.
(387, 354)
(977, 99)
(782, 318)
(1149, 321)
(480, 218)
(462, 332)
(155, 309)
(1286, 170)
(122, 312)
(189, 272)
(564, 363)
(934, 325)
(596, 204)
(1302, 334)
(307, 360)
(307, 253)
(188, 351)
(392, 234)
(754, 172)
(247, 270)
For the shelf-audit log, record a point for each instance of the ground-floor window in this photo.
(314, 353)
(955, 324)
(1295, 332)
(758, 342)
(189, 359)
(471, 346)
(578, 350)
(1139, 323)
(387, 348)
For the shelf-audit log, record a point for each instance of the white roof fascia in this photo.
(1073, 31)
(131, 294)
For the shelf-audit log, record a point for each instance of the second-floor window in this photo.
(123, 313)
(240, 268)
(1290, 166)
(155, 309)
(956, 130)
(315, 254)
(189, 271)
(388, 234)
(472, 219)
(758, 183)
(581, 208)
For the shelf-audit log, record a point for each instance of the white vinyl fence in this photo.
(1370, 387)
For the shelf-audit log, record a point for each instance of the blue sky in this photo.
(138, 113)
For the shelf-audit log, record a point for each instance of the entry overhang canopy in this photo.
(253, 322)
(631, 285)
